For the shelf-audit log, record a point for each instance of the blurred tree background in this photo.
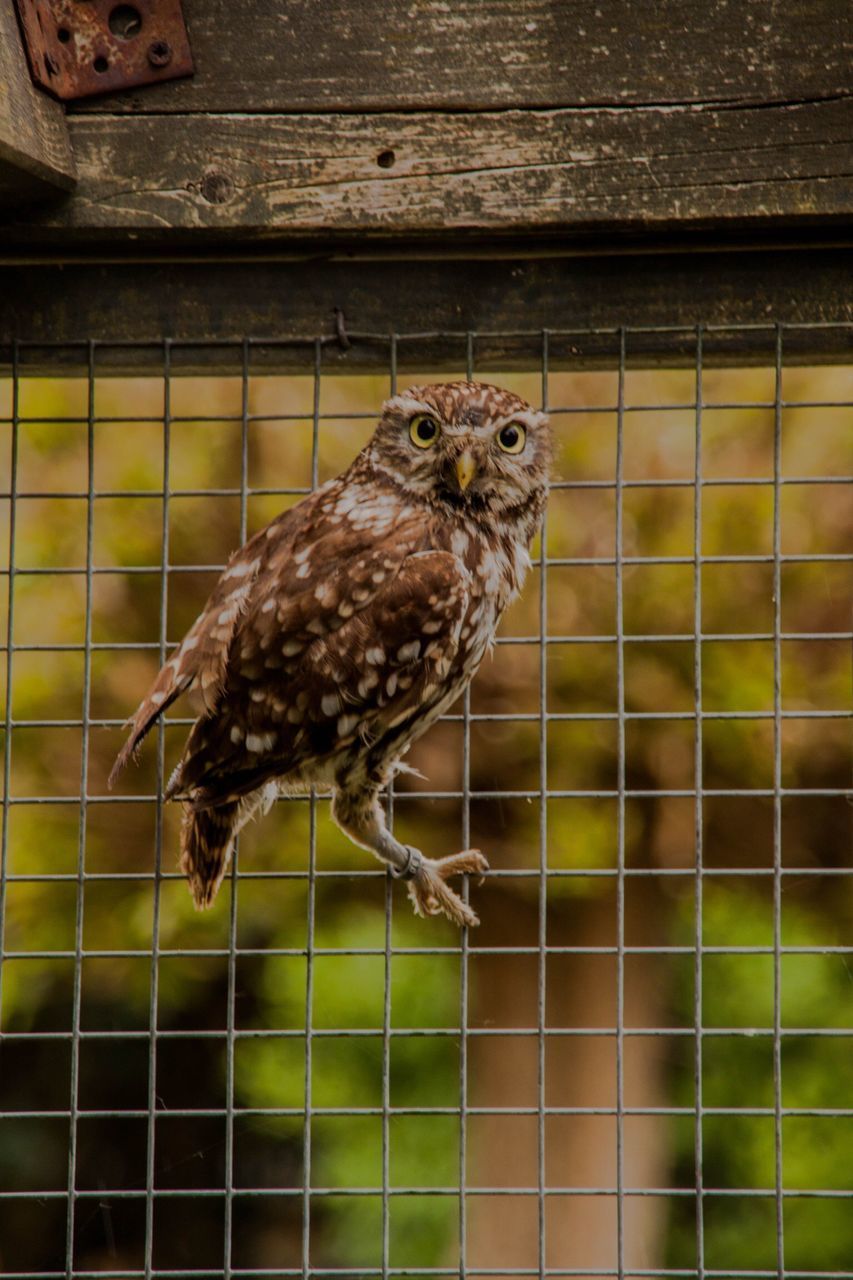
(118, 924)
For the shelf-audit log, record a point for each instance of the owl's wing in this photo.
(363, 682)
(301, 577)
(200, 658)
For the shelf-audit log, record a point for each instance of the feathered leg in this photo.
(359, 814)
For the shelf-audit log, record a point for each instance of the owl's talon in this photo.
(430, 894)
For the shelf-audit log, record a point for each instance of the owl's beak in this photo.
(466, 469)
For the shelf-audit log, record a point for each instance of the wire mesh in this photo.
(295, 1235)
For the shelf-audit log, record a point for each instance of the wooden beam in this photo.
(207, 307)
(397, 55)
(35, 151)
(577, 172)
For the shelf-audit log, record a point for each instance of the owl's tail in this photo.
(207, 841)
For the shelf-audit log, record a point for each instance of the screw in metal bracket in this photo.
(160, 53)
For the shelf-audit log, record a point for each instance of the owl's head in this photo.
(466, 445)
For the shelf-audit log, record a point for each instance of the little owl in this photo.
(342, 630)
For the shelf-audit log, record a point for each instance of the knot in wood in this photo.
(217, 188)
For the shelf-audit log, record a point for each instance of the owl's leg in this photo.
(359, 815)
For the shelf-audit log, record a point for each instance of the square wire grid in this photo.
(540, 1189)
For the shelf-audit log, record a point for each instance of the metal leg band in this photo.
(412, 865)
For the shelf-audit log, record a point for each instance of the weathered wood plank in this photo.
(35, 152)
(390, 55)
(559, 171)
(506, 301)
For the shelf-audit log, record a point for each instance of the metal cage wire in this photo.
(307, 1191)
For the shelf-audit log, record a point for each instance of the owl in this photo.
(338, 634)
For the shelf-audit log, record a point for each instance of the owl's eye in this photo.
(511, 438)
(423, 430)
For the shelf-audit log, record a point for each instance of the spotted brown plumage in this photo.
(340, 632)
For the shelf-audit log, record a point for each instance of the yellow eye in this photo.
(423, 430)
(511, 438)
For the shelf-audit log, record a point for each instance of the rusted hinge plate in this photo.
(78, 48)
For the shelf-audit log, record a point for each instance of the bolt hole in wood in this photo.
(385, 159)
(125, 21)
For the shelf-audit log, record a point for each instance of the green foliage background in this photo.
(120, 838)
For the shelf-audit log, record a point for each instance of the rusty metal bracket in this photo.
(78, 48)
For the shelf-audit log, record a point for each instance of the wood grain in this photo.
(634, 170)
(391, 55)
(35, 152)
(507, 301)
